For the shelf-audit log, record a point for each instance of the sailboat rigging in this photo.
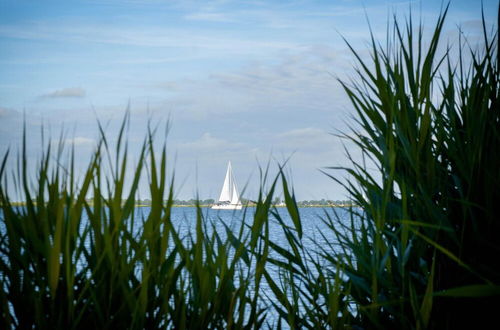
(229, 198)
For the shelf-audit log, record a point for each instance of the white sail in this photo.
(226, 194)
(229, 198)
(235, 199)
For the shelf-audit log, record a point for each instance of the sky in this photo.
(249, 82)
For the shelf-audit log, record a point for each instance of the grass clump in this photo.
(424, 251)
(420, 251)
(70, 261)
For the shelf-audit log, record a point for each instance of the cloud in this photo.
(210, 17)
(295, 84)
(313, 147)
(5, 112)
(306, 133)
(72, 92)
(150, 36)
(208, 143)
(80, 141)
(306, 140)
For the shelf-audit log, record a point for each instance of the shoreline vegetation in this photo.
(420, 252)
(208, 203)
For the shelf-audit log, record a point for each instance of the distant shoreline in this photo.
(210, 205)
(278, 206)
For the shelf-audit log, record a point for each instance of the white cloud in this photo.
(306, 133)
(148, 36)
(209, 16)
(4, 112)
(310, 143)
(209, 143)
(65, 93)
(297, 83)
(80, 141)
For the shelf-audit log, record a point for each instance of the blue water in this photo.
(317, 235)
(315, 230)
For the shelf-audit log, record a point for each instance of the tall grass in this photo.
(425, 251)
(420, 251)
(70, 262)
(79, 255)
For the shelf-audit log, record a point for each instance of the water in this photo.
(317, 236)
(315, 230)
(316, 233)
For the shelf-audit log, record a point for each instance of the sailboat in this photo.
(229, 198)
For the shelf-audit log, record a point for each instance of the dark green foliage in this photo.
(420, 251)
(424, 252)
(68, 260)
(117, 270)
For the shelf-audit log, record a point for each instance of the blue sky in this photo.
(245, 81)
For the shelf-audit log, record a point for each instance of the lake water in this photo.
(313, 226)
(315, 232)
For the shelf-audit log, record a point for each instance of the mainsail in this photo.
(229, 193)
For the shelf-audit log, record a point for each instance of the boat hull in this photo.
(227, 207)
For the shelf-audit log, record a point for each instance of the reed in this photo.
(70, 262)
(423, 251)
(419, 252)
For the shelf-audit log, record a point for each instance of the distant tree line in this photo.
(244, 201)
(325, 202)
